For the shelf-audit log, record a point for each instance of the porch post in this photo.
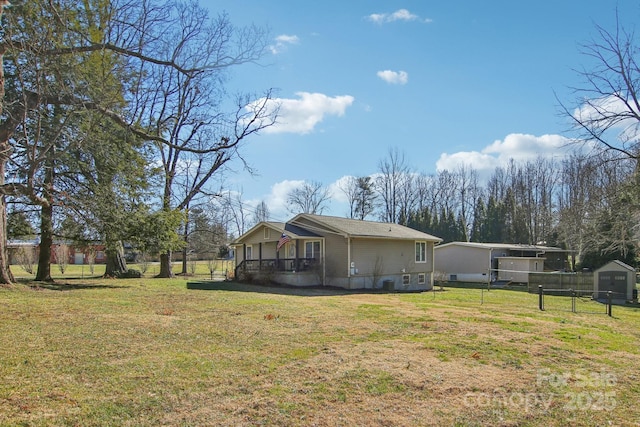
(324, 261)
(295, 261)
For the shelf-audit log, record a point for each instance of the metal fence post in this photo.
(540, 298)
(609, 303)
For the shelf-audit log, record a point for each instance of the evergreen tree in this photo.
(480, 219)
(18, 226)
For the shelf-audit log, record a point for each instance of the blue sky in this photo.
(444, 82)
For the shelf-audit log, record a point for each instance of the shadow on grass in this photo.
(483, 285)
(59, 286)
(307, 291)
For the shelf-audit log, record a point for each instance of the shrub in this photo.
(131, 273)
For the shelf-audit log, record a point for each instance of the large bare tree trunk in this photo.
(46, 241)
(6, 277)
(185, 250)
(46, 220)
(116, 264)
(5, 148)
(185, 254)
(165, 266)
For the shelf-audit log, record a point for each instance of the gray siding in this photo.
(461, 260)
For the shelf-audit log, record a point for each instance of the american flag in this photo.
(283, 239)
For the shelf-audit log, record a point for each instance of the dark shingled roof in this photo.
(359, 228)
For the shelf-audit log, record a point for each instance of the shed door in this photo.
(614, 281)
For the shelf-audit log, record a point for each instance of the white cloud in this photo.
(517, 146)
(276, 200)
(611, 107)
(394, 77)
(398, 15)
(402, 15)
(282, 42)
(335, 189)
(302, 115)
(596, 108)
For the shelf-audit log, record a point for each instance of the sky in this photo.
(445, 83)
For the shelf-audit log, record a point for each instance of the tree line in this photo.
(581, 203)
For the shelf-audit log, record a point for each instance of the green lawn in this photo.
(151, 352)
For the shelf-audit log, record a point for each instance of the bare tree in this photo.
(426, 192)
(234, 212)
(310, 198)
(606, 114)
(467, 190)
(261, 213)
(361, 196)
(390, 182)
(349, 186)
(607, 109)
(61, 254)
(26, 257)
(576, 194)
(181, 108)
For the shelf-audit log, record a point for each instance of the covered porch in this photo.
(285, 264)
(287, 255)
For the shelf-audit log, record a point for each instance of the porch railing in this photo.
(281, 264)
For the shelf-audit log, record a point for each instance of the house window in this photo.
(406, 279)
(421, 251)
(422, 278)
(249, 252)
(312, 249)
(267, 233)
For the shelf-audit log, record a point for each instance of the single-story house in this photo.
(22, 250)
(490, 262)
(617, 277)
(332, 251)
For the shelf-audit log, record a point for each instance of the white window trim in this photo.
(422, 278)
(420, 242)
(306, 255)
(249, 252)
(267, 233)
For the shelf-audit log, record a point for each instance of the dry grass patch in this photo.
(151, 352)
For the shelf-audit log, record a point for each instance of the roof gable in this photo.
(279, 228)
(619, 264)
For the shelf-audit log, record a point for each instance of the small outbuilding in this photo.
(617, 277)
